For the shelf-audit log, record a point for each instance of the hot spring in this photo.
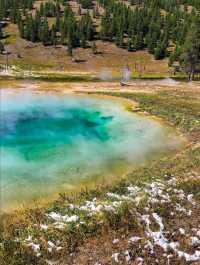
(54, 143)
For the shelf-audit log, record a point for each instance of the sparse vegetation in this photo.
(121, 211)
(152, 215)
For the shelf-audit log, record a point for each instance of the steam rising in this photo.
(126, 74)
(106, 74)
(50, 143)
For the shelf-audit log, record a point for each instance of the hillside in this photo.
(91, 36)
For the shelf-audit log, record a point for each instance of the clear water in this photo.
(52, 143)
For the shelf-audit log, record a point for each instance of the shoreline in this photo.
(92, 78)
(167, 82)
(95, 227)
(87, 76)
(129, 105)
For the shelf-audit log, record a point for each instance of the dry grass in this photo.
(110, 58)
(92, 241)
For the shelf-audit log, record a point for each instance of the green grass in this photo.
(23, 66)
(53, 78)
(64, 78)
(176, 108)
(11, 39)
(183, 112)
(37, 71)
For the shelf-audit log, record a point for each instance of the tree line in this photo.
(166, 28)
(65, 30)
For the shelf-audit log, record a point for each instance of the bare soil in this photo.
(109, 61)
(189, 89)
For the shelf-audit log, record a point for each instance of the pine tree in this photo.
(159, 52)
(119, 40)
(21, 28)
(45, 36)
(152, 24)
(58, 23)
(86, 4)
(94, 48)
(2, 49)
(86, 30)
(1, 31)
(106, 26)
(190, 58)
(53, 36)
(69, 47)
(28, 28)
(130, 45)
(139, 41)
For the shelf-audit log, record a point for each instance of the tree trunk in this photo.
(191, 74)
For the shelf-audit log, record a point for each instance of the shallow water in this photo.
(52, 143)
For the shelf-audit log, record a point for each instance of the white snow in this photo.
(69, 219)
(198, 233)
(174, 245)
(156, 192)
(44, 227)
(158, 219)
(133, 190)
(115, 241)
(195, 241)
(63, 218)
(115, 256)
(189, 257)
(139, 260)
(29, 238)
(182, 231)
(35, 247)
(149, 245)
(59, 248)
(119, 197)
(190, 199)
(127, 256)
(134, 239)
(51, 244)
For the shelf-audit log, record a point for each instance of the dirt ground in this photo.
(191, 89)
(109, 61)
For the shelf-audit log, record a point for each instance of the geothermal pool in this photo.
(53, 143)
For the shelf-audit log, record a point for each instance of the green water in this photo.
(52, 143)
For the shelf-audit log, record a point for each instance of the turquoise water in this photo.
(52, 143)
